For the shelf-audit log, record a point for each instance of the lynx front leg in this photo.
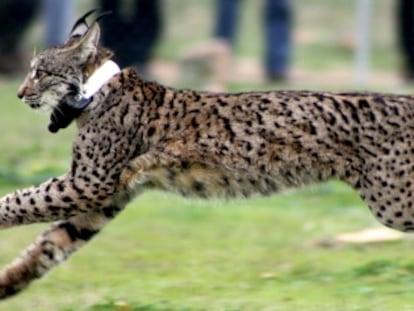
(51, 248)
(56, 199)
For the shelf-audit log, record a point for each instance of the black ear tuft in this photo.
(98, 18)
(81, 26)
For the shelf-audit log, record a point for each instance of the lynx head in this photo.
(58, 73)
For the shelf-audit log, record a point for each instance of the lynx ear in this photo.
(86, 47)
(84, 38)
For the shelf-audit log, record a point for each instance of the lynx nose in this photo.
(21, 91)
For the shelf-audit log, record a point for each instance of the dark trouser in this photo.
(405, 25)
(15, 17)
(58, 17)
(277, 19)
(226, 19)
(133, 34)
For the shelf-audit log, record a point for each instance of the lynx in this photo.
(135, 135)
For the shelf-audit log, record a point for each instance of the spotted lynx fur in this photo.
(136, 134)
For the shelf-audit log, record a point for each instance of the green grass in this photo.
(164, 253)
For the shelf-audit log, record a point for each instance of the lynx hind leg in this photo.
(389, 196)
(52, 247)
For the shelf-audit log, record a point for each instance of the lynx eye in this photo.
(38, 74)
(34, 74)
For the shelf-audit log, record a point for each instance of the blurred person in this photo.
(405, 26)
(277, 22)
(132, 30)
(15, 16)
(58, 19)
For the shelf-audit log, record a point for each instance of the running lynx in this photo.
(135, 134)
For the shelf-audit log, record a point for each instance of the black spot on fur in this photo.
(75, 234)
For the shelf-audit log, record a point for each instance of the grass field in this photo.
(164, 253)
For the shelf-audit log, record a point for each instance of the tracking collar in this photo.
(98, 79)
(69, 109)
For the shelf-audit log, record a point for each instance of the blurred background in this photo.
(336, 44)
(286, 252)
